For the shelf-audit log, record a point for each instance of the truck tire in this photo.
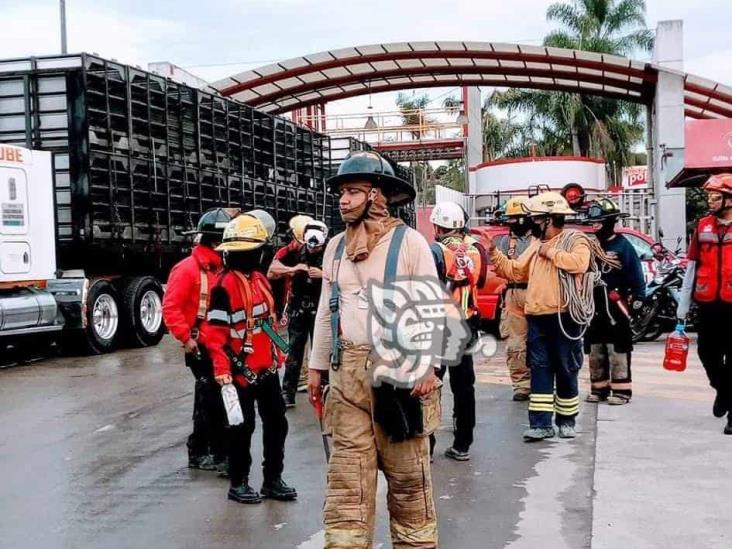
(102, 316)
(142, 305)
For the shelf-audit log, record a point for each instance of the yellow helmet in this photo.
(548, 203)
(244, 233)
(516, 206)
(297, 226)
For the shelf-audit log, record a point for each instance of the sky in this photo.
(217, 38)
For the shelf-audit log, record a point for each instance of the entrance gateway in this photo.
(670, 95)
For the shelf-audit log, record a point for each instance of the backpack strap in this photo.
(392, 256)
(335, 296)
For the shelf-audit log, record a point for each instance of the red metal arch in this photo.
(338, 74)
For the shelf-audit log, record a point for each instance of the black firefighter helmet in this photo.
(604, 209)
(370, 166)
(214, 221)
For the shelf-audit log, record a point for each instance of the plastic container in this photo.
(677, 350)
(234, 414)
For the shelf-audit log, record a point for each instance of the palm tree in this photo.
(563, 123)
(605, 26)
(412, 107)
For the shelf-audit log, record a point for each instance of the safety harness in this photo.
(238, 360)
(392, 259)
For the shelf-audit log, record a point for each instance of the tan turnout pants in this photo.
(359, 449)
(515, 329)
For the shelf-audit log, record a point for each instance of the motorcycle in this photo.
(656, 313)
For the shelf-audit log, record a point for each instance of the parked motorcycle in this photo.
(656, 313)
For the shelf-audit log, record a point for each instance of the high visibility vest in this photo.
(714, 265)
(463, 264)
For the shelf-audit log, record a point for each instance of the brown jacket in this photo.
(542, 273)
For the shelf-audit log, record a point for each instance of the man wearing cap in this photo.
(374, 249)
(554, 347)
(304, 267)
(246, 351)
(185, 305)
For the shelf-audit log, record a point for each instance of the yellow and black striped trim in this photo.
(541, 402)
(567, 406)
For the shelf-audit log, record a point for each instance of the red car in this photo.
(489, 296)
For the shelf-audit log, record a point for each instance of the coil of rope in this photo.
(576, 290)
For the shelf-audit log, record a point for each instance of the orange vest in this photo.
(463, 264)
(714, 265)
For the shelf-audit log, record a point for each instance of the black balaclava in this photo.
(245, 262)
(607, 230)
(210, 240)
(520, 227)
(538, 229)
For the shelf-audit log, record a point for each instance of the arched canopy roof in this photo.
(339, 74)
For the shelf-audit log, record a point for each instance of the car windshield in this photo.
(642, 248)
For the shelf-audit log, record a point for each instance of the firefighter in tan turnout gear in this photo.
(513, 319)
(373, 427)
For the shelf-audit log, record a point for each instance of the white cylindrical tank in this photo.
(519, 174)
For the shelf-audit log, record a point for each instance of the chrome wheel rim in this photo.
(151, 311)
(105, 316)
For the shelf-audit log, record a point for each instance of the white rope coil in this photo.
(576, 290)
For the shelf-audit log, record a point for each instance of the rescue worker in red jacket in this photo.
(282, 285)
(246, 351)
(708, 281)
(185, 306)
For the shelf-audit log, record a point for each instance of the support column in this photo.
(474, 133)
(668, 133)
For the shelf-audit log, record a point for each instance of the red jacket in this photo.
(183, 292)
(228, 324)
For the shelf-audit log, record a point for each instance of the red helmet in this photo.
(719, 183)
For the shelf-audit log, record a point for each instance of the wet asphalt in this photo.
(92, 454)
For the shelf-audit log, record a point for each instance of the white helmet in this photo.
(315, 234)
(448, 215)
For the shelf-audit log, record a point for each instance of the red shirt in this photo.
(182, 294)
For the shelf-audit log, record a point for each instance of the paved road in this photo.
(92, 454)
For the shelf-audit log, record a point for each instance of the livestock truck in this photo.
(103, 168)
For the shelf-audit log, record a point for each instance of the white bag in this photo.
(231, 403)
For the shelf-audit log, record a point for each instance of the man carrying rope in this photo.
(559, 306)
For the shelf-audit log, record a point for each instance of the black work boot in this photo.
(277, 489)
(721, 405)
(289, 399)
(222, 467)
(728, 427)
(203, 463)
(244, 494)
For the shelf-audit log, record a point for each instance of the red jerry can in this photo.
(677, 350)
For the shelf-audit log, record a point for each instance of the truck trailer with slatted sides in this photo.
(104, 167)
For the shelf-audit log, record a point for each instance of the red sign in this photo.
(708, 143)
(635, 177)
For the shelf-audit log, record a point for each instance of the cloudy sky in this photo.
(217, 38)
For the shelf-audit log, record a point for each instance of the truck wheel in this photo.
(142, 301)
(102, 315)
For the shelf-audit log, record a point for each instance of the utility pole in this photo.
(62, 6)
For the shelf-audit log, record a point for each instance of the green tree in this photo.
(412, 108)
(568, 123)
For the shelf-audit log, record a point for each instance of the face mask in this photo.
(519, 228)
(537, 229)
(606, 231)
